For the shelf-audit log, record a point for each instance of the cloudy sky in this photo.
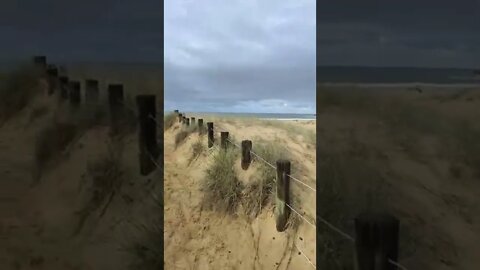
(240, 56)
(88, 30)
(422, 33)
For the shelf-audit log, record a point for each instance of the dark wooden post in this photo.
(187, 121)
(40, 61)
(184, 120)
(200, 126)
(148, 145)
(91, 91)
(192, 120)
(52, 78)
(283, 184)
(75, 96)
(224, 139)
(376, 241)
(180, 117)
(115, 100)
(246, 155)
(64, 87)
(211, 139)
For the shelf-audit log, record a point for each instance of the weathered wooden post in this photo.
(52, 78)
(149, 150)
(192, 120)
(115, 100)
(180, 117)
(75, 96)
(187, 121)
(40, 62)
(246, 155)
(64, 87)
(224, 139)
(210, 134)
(91, 91)
(376, 241)
(184, 120)
(283, 184)
(200, 126)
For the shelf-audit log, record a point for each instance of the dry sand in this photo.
(39, 223)
(197, 238)
(415, 154)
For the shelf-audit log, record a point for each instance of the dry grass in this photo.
(17, 89)
(257, 193)
(50, 142)
(198, 148)
(169, 120)
(183, 134)
(221, 185)
(104, 179)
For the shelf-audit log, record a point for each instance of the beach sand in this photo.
(199, 238)
(411, 153)
(42, 225)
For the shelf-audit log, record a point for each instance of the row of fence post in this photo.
(146, 106)
(376, 234)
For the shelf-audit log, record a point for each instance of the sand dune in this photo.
(198, 238)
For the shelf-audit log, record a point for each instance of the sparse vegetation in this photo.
(183, 134)
(104, 179)
(221, 186)
(50, 141)
(258, 193)
(169, 120)
(16, 91)
(197, 149)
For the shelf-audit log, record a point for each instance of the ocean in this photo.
(263, 116)
(347, 74)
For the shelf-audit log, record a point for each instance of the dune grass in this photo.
(17, 89)
(198, 148)
(221, 186)
(169, 120)
(183, 134)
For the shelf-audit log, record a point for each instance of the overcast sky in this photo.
(240, 56)
(88, 30)
(422, 33)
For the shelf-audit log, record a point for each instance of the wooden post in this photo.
(200, 126)
(40, 61)
(192, 120)
(246, 155)
(283, 184)
(211, 139)
(64, 87)
(224, 139)
(52, 78)
(149, 150)
(180, 117)
(187, 121)
(75, 96)
(115, 100)
(91, 91)
(376, 241)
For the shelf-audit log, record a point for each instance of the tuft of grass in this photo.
(105, 176)
(257, 193)
(17, 90)
(221, 186)
(50, 142)
(169, 120)
(183, 134)
(197, 149)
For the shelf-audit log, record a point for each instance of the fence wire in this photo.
(301, 252)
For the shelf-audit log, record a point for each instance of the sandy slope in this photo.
(197, 238)
(422, 181)
(39, 223)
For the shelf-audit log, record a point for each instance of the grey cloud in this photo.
(240, 55)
